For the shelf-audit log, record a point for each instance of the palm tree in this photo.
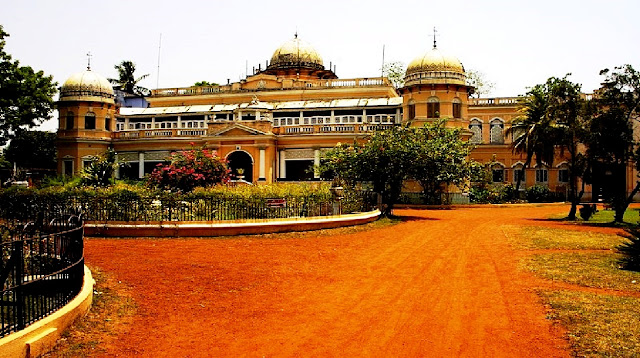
(533, 130)
(127, 80)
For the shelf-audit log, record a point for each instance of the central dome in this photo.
(296, 53)
(87, 86)
(435, 66)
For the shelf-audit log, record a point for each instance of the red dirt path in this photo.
(442, 284)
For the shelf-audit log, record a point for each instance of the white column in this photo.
(179, 122)
(153, 122)
(283, 167)
(398, 119)
(263, 165)
(316, 163)
(141, 165)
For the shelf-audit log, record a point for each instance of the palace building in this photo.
(276, 123)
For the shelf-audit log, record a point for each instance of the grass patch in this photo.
(606, 216)
(600, 270)
(378, 224)
(536, 238)
(111, 312)
(598, 325)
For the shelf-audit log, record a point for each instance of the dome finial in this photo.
(434, 37)
(89, 55)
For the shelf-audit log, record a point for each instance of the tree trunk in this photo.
(622, 205)
(574, 202)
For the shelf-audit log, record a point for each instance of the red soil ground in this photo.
(444, 283)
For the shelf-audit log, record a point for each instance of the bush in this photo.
(631, 250)
(190, 169)
(493, 194)
(586, 211)
(539, 194)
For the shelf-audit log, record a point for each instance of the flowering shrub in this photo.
(189, 169)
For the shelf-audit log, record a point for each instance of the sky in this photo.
(514, 44)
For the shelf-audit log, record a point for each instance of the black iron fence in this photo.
(176, 208)
(414, 198)
(42, 270)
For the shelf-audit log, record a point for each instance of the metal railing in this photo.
(221, 209)
(42, 270)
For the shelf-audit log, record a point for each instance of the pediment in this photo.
(238, 130)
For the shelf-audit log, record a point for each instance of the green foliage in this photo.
(123, 202)
(611, 139)
(479, 82)
(631, 250)
(205, 84)
(492, 194)
(26, 96)
(190, 169)
(539, 194)
(433, 155)
(101, 170)
(127, 79)
(32, 149)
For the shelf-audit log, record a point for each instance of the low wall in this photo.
(226, 228)
(42, 335)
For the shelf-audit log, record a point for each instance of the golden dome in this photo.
(87, 86)
(435, 66)
(296, 53)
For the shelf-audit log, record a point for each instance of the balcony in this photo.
(490, 102)
(159, 133)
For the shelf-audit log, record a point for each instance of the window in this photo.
(475, 126)
(433, 107)
(67, 167)
(542, 175)
(497, 173)
(90, 121)
(411, 111)
(496, 131)
(519, 174)
(69, 123)
(456, 108)
(107, 124)
(563, 175)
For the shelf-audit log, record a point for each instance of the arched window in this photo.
(496, 131)
(411, 110)
(69, 121)
(497, 173)
(90, 120)
(519, 173)
(433, 107)
(456, 105)
(475, 126)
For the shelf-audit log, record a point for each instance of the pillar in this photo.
(263, 165)
(141, 165)
(283, 166)
(316, 163)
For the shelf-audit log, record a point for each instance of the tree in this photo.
(478, 80)
(439, 159)
(611, 140)
(101, 170)
(553, 118)
(395, 72)
(127, 79)
(189, 169)
(32, 149)
(205, 84)
(433, 155)
(26, 96)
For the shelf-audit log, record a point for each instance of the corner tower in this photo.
(298, 59)
(435, 87)
(86, 111)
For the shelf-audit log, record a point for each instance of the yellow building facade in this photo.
(276, 123)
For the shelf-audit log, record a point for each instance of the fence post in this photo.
(17, 248)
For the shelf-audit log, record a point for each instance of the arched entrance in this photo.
(241, 160)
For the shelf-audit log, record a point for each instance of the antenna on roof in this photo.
(382, 68)
(89, 55)
(158, 75)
